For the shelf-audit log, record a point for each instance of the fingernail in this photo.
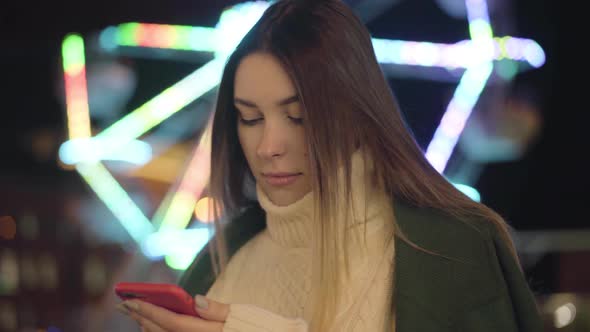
(123, 309)
(131, 306)
(201, 302)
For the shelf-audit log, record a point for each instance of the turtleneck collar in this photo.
(292, 225)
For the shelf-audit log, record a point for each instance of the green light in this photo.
(182, 38)
(167, 103)
(180, 251)
(506, 69)
(127, 34)
(480, 29)
(73, 54)
(117, 200)
(502, 47)
(180, 261)
(179, 212)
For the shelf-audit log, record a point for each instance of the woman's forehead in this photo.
(261, 78)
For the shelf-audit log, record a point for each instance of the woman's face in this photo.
(271, 128)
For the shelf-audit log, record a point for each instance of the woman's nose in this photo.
(272, 143)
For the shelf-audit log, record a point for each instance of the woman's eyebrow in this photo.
(282, 102)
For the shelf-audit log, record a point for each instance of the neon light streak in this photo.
(203, 39)
(195, 179)
(458, 55)
(453, 121)
(75, 86)
(116, 199)
(200, 39)
(93, 150)
(469, 191)
(474, 79)
(176, 242)
(166, 104)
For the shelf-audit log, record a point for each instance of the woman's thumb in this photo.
(211, 310)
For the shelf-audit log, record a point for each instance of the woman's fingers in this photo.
(131, 309)
(156, 319)
(211, 310)
(146, 324)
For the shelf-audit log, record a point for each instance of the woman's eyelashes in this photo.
(249, 122)
(295, 120)
(253, 122)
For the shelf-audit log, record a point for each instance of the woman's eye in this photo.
(296, 120)
(250, 122)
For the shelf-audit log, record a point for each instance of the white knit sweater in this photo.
(268, 281)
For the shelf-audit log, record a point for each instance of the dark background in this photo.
(543, 190)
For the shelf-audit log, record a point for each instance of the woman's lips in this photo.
(281, 179)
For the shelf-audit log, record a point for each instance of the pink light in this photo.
(199, 168)
(452, 122)
(155, 35)
(77, 104)
(513, 48)
(407, 53)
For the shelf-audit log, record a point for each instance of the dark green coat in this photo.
(480, 289)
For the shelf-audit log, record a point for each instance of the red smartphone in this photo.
(168, 296)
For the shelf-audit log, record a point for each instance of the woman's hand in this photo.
(152, 318)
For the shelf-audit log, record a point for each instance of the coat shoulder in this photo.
(447, 256)
(466, 241)
(461, 272)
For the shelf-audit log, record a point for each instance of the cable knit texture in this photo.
(268, 281)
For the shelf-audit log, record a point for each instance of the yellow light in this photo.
(204, 210)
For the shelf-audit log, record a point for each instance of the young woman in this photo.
(337, 220)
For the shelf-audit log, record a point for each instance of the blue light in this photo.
(469, 191)
(108, 38)
(179, 247)
(92, 150)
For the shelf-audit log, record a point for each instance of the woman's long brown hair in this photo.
(347, 103)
